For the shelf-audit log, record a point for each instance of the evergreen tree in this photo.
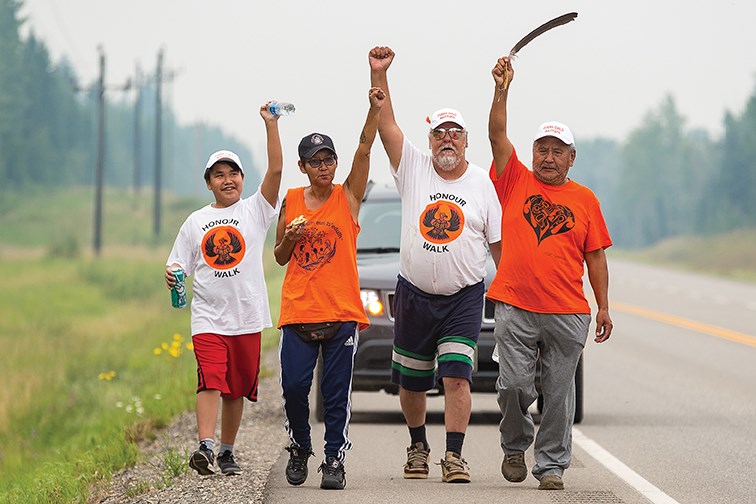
(736, 181)
(597, 167)
(12, 96)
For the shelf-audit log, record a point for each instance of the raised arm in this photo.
(501, 146)
(598, 275)
(356, 181)
(272, 179)
(380, 59)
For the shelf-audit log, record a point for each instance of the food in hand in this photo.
(299, 220)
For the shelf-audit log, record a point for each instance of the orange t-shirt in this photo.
(321, 282)
(545, 232)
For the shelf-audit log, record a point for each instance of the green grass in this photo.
(63, 324)
(174, 462)
(48, 219)
(729, 255)
(70, 320)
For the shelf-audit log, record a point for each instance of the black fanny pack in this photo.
(317, 332)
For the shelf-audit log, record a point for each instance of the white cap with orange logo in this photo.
(556, 130)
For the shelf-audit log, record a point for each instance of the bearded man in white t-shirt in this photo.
(450, 218)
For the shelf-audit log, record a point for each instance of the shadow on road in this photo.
(433, 417)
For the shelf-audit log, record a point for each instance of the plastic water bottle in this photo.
(281, 108)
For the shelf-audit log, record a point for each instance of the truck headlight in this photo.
(372, 302)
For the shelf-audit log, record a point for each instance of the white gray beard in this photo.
(446, 161)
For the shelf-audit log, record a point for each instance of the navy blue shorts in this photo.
(434, 336)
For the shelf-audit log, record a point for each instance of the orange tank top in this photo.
(321, 282)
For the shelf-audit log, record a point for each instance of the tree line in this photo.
(662, 181)
(665, 180)
(48, 125)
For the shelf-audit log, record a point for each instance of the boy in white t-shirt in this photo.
(220, 246)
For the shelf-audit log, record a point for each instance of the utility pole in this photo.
(100, 89)
(100, 169)
(158, 140)
(138, 131)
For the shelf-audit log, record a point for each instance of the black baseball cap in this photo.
(314, 142)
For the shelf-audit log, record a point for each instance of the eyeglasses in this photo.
(315, 163)
(454, 133)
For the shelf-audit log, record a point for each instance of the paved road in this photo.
(670, 412)
(673, 395)
(374, 465)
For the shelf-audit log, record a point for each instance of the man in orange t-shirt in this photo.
(551, 226)
(321, 309)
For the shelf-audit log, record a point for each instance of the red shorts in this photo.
(230, 364)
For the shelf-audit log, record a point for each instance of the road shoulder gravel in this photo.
(259, 444)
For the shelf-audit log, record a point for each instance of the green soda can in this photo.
(178, 293)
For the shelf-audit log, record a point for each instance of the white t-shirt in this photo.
(222, 248)
(445, 223)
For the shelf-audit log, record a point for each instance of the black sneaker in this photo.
(296, 468)
(227, 464)
(202, 460)
(334, 477)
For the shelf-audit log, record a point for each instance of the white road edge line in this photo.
(612, 463)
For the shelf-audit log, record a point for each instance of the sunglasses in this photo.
(315, 163)
(454, 133)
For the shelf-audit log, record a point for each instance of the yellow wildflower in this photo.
(107, 376)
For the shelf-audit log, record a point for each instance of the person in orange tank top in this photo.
(321, 309)
(551, 227)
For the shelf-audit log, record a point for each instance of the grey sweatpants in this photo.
(520, 336)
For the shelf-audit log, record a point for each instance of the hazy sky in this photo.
(599, 74)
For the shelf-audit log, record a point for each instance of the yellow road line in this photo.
(719, 332)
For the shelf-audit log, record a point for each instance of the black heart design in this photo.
(546, 218)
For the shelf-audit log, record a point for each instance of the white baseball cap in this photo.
(556, 130)
(223, 155)
(443, 115)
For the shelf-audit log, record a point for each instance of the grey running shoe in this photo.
(417, 462)
(513, 467)
(454, 469)
(551, 482)
(202, 460)
(296, 468)
(334, 477)
(227, 464)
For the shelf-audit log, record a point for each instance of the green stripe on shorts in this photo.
(413, 355)
(455, 358)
